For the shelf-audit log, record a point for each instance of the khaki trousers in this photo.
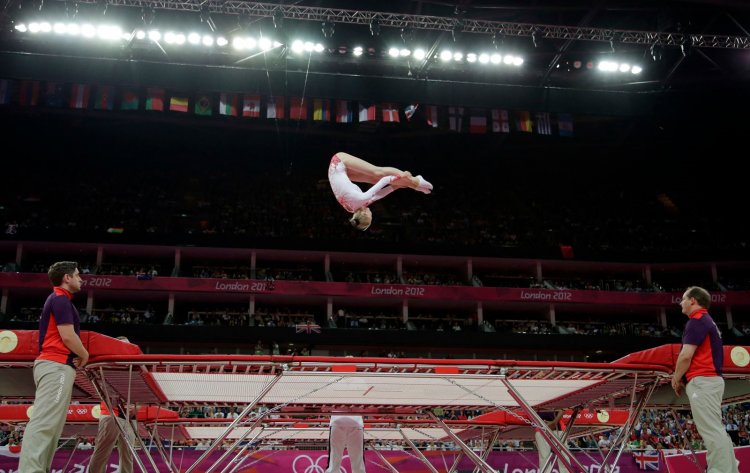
(54, 386)
(705, 394)
(544, 452)
(107, 437)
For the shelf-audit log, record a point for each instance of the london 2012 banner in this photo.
(313, 461)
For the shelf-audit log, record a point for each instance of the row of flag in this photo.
(27, 93)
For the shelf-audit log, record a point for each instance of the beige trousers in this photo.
(544, 452)
(54, 386)
(705, 394)
(107, 437)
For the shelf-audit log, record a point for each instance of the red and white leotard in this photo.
(348, 194)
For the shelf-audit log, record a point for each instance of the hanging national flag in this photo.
(647, 461)
(524, 122)
(390, 113)
(228, 104)
(543, 124)
(130, 100)
(297, 108)
(5, 87)
(456, 118)
(409, 111)
(203, 105)
(54, 95)
(431, 113)
(79, 96)
(251, 106)
(275, 108)
(500, 121)
(565, 124)
(308, 328)
(155, 99)
(105, 97)
(178, 104)
(367, 113)
(478, 122)
(28, 93)
(344, 111)
(321, 110)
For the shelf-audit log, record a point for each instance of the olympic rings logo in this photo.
(316, 466)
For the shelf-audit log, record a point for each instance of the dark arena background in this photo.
(588, 160)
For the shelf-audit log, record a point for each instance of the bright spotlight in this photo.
(636, 70)
(419, 54)
(517, 61)
(508, 59)
(238, 42)
(208, 40)
(109, 32)
(484, 58)
(393, 52)
(33, 27)
(624, 67)
(169, 37)
(250, 43)
(194, 38)
(496, 58)
(298, 46)
(457, 56)
(319, 48)
(126, 36)
(309, 46)
(22, 28)
(154, 35)
(88, 31)
(404, 52)
(74, 29)
(179, 38)
(59, 28)
(264, 44)
(45, 27)
(140, 34)
(471, 57)
(446, 55)
(357, 51)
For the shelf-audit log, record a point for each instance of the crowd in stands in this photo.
(528, 200)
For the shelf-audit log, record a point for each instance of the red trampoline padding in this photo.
(664, 355)
(27, 345)
(152, 413)
(736, 357)
(82, 413)
(76, 412)
(585, 417)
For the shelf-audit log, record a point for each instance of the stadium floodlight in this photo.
(446, 55)
(393, 52)
(419, 54)
(357, 51)
(194, 38)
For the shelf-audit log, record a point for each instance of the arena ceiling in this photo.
(678, 44)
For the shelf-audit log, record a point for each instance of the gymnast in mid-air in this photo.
(346, 169)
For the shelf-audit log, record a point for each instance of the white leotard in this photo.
(348, 194)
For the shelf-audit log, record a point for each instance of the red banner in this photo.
(395, 291)
(677, 461)
(315, 461)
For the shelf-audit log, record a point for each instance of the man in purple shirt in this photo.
(60, 353)
(700, 361)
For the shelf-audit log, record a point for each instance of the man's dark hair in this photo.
(702, 297)
(60, 269)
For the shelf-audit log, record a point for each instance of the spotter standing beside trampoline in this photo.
(700, 361)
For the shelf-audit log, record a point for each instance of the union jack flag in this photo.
(307, 328)
(647, 461)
